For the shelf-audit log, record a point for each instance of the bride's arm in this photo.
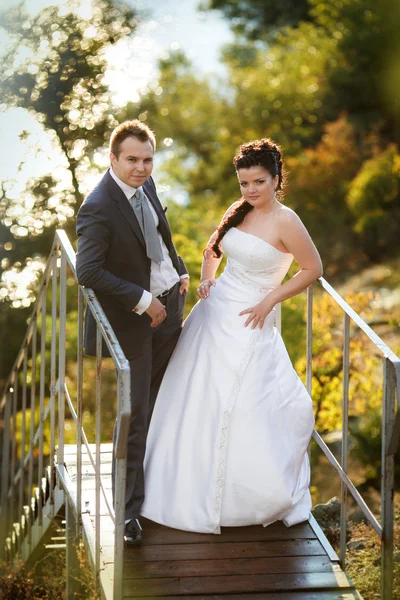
(297, 240)
(211, 262)
(209, 268)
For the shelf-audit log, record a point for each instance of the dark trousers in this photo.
(147, 371)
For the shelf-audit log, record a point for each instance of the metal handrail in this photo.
(13, 482)
(390, 434)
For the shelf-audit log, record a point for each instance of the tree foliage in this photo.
(254, 19)
(366, 33)
(54, 69)
(373, 198)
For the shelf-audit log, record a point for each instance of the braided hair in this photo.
(264, 153)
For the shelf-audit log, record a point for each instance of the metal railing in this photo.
(23, 460)
(390, 434)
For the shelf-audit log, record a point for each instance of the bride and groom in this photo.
(220, 420)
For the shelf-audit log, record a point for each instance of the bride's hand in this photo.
(258, 313)
(203, 291)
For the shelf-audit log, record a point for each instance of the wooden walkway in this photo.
(275, 563)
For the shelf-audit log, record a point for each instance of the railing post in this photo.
(309, 339)
(5, 473)
(99, 341)
(123, 399)
(387, 479)
(309, 326)
(41, 403)
(79, 412)
(23, 434)
(32, 420)
(345, 438)
(53, 372)
(13, 508)
(61, 357)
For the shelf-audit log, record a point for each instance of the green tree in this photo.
(374, 199)
(366, 82)
(319, 180)
(54, 69)
(61, 83)
(255, 18)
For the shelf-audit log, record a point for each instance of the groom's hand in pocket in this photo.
(156, 312)
(184, 285)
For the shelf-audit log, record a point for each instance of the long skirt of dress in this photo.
(227, 444)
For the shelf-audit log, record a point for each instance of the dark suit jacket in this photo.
(111, 259)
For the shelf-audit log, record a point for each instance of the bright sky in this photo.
(172, 25)
(167, 25)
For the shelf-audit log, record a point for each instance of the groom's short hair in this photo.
(134, 128)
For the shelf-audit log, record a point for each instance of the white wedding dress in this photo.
(227, 444)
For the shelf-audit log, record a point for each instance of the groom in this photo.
(126, 255)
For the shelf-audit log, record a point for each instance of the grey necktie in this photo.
(147, 224)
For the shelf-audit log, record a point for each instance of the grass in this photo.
(363, 564)
(46, 581)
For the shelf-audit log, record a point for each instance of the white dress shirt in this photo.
(163, 276)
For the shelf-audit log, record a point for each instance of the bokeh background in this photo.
(320, 77)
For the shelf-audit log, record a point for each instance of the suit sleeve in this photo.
(182, 267)
(93, 244)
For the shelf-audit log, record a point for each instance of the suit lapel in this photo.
(124, 206)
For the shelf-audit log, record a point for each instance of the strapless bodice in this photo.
(253, 261)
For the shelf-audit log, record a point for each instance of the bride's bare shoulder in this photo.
(287, 216)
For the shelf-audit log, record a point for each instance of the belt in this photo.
(167, 291)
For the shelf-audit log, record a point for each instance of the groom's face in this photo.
(134, 163)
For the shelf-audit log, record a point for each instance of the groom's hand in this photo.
(184, 285)
(157, 312)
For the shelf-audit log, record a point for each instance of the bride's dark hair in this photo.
(264, 153)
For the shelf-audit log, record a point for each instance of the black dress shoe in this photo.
(133, 532)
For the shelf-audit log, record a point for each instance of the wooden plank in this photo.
(225, 550)
(227, 566)
(164, 535)
(316, 595)
(236, 584)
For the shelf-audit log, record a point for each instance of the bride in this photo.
(227, 443)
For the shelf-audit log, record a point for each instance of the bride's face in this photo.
(257, 185)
